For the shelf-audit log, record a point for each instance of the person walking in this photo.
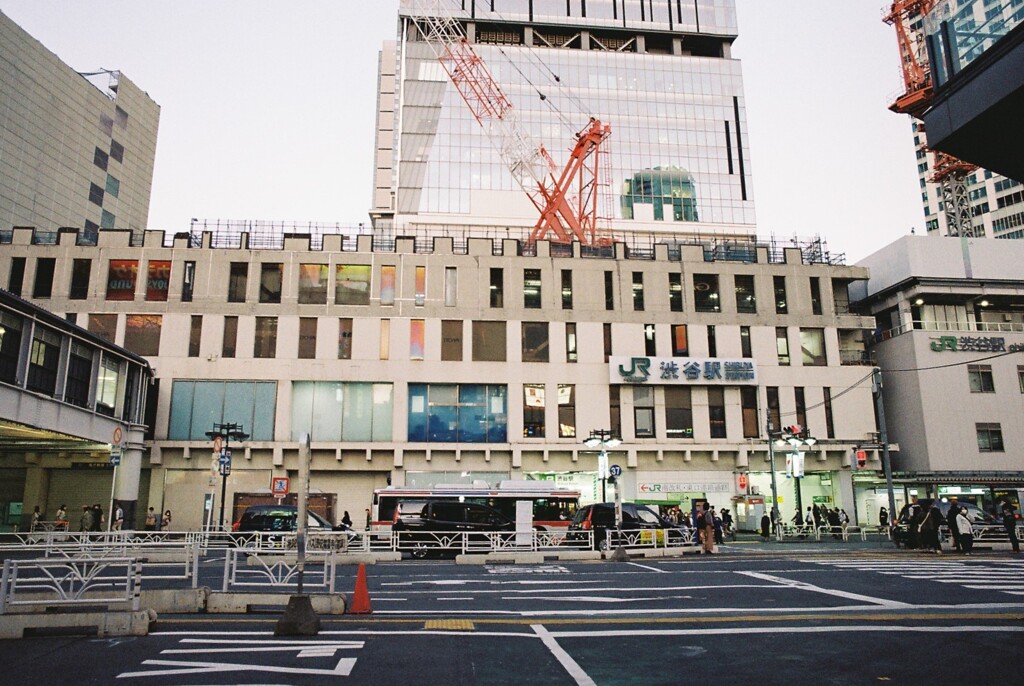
(883, 517)
(61, 518)
(929, 529)
(165, 521)
(962, 531)
(85, 522)
(346, 521)
(766, 526)
(117, 518)
(727, 525)
(97, 518)
(709, 528)
(951, 515)
(717, 520)
(37, 518)
(1010, 524)
(150, 523)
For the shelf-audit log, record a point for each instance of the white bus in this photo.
(553, 508)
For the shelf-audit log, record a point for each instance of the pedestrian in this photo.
(719, 526)
(165, 521)
(61, 518)
(963, 531)
(1010, 524)
(929, 529)
(883, 517)
(97, 518)
(914, 517)
(811, 519)
(150, 523)
(346, 521)
(766, 526)
(951, 514)
(833, 521)
(817, 512)
(37, 518)
(844, 519)
(85, 522)
(708, 528)
(369, 519)
(117, 518)
(727, 524)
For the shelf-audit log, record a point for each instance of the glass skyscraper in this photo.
(658, 71)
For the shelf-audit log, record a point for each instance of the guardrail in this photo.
(423, 543)
(652, 538)
(843, 533)
(40, 584)
(270, 568)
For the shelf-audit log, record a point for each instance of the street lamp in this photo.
(226, 432)
(604, 439)
(794, 436)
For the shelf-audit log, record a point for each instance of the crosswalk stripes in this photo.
(1006, 576)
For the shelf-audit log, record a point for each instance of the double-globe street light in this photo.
(225, 432)
(795, 436)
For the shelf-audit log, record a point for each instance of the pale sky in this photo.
(267, 108)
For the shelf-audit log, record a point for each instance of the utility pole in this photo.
(883, 437)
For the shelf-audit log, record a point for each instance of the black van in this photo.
(600, 517)
(421, 525)
(279, 518)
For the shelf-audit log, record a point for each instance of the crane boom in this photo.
(563, 215)
(947, 171)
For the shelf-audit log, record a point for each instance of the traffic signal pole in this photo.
(883, 437)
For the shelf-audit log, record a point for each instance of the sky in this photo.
(268, 108)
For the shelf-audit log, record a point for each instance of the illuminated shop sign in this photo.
(974, 344)
(696, 487)
(691, 371)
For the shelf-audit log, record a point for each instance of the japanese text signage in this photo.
(974, 344)
(692, 371)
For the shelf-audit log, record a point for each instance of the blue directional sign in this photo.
(225, 457)
(115, 459)
(615, 470)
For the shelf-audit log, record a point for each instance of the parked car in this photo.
(282, 518)
(600, 517)
(977, 516)
(420, 525)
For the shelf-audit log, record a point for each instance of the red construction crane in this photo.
(568, 202)
(906, 16)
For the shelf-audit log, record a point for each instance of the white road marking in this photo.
(570, 665)
(343, 668)
(959, 628)
(653, 569)
(600, 599)
(804, 586)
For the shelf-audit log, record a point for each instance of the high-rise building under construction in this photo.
(659, 74)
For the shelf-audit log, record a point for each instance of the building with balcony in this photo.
(950, 343)
(433, 362)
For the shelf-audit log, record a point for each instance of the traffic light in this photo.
(862, 458)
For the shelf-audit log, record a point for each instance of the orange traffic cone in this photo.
(360, 604)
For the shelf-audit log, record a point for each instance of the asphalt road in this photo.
(802, 615)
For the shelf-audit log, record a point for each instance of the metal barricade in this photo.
(269, 568)
(41, 584)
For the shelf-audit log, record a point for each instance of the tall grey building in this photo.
(72, 154)
(659, 73)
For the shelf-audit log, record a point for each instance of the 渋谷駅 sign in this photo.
(692, 371)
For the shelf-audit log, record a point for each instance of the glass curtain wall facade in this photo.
(660, 76)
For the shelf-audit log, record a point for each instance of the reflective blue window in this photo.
(451, 413)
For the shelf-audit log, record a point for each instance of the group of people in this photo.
(712, 527)
(817, 517)
(923, 522)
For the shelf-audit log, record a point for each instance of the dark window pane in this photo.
(43, 286)
(95, 194)
(116, 151)
(99, 158)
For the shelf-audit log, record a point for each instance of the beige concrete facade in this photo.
(456, 287)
